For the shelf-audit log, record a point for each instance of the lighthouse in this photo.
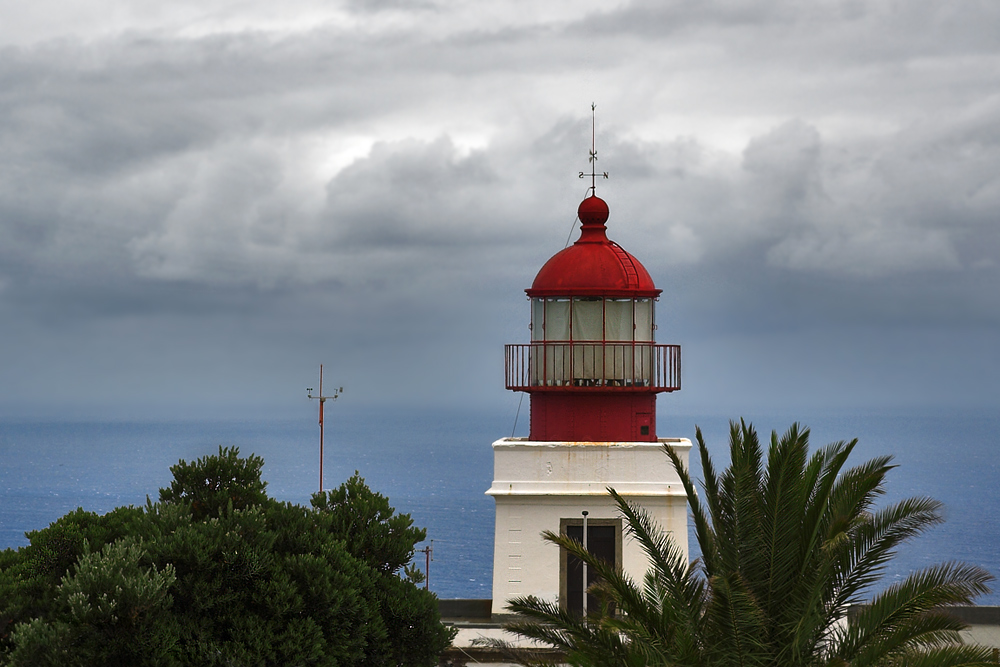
(593, 371)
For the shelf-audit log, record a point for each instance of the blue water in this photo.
(436, 466)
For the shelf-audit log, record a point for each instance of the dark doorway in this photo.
(602, 541)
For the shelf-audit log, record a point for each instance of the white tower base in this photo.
(546, 485)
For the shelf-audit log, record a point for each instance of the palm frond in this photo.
(948, 656)
(783, 501)
(736, 623)
(821, 477)
(703, 527)
(908, 615)
(673, 597)
(835, 506)
(861, 562)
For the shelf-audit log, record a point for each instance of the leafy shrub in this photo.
(218, 573)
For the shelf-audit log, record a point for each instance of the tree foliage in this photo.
(218, 573)
(108, 609)
(211, 483)
(790, 543)
(373, 532)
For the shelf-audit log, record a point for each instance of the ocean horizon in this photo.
(436, 465)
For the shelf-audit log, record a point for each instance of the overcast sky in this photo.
(202, 201)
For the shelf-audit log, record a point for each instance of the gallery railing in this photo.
(605, 365)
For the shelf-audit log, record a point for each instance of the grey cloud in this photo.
(228, 214)
(157, 189)
(228, 222)
(784, 164)
(876, 29)
(893, 203)
(365, 7)
(824, 232)
(414, 194)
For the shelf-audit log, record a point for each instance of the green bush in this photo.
(218, 573)
(109, 611)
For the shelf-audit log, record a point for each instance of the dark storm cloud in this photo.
(413, 194)
(388, 187)
(877, 29)
(800, 232)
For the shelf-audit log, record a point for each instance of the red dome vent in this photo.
(594, 265)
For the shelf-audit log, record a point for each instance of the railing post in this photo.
(545, 365)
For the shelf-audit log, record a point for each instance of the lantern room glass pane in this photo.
(588, 318)
(644, 319)
(537, 319)
(618, 319)
(556, 319)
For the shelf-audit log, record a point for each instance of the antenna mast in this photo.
(428, 551)
(322, 400)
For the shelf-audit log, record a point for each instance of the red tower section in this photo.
(593, 368)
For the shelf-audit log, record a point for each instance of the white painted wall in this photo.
(536, 484)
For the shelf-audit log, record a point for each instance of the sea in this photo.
(436, 464)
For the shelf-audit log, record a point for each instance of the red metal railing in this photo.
(603, 365)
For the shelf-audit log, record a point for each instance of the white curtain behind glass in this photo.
(618, 319)
(644, 319)
(556, 319)
(588, 318)
(537, 319)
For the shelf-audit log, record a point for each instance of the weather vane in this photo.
(593, 152)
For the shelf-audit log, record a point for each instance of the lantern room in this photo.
(592, 367)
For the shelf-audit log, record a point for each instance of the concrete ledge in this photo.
(474, 622)
(977, 615)
(479, 655)
(478, 613)
(972, 615)
(472, 646)
(651, 490)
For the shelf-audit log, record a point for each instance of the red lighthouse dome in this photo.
(593, 265)
(592, 368)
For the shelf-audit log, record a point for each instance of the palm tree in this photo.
(791, 547)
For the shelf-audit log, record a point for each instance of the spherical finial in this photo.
(593, 211)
